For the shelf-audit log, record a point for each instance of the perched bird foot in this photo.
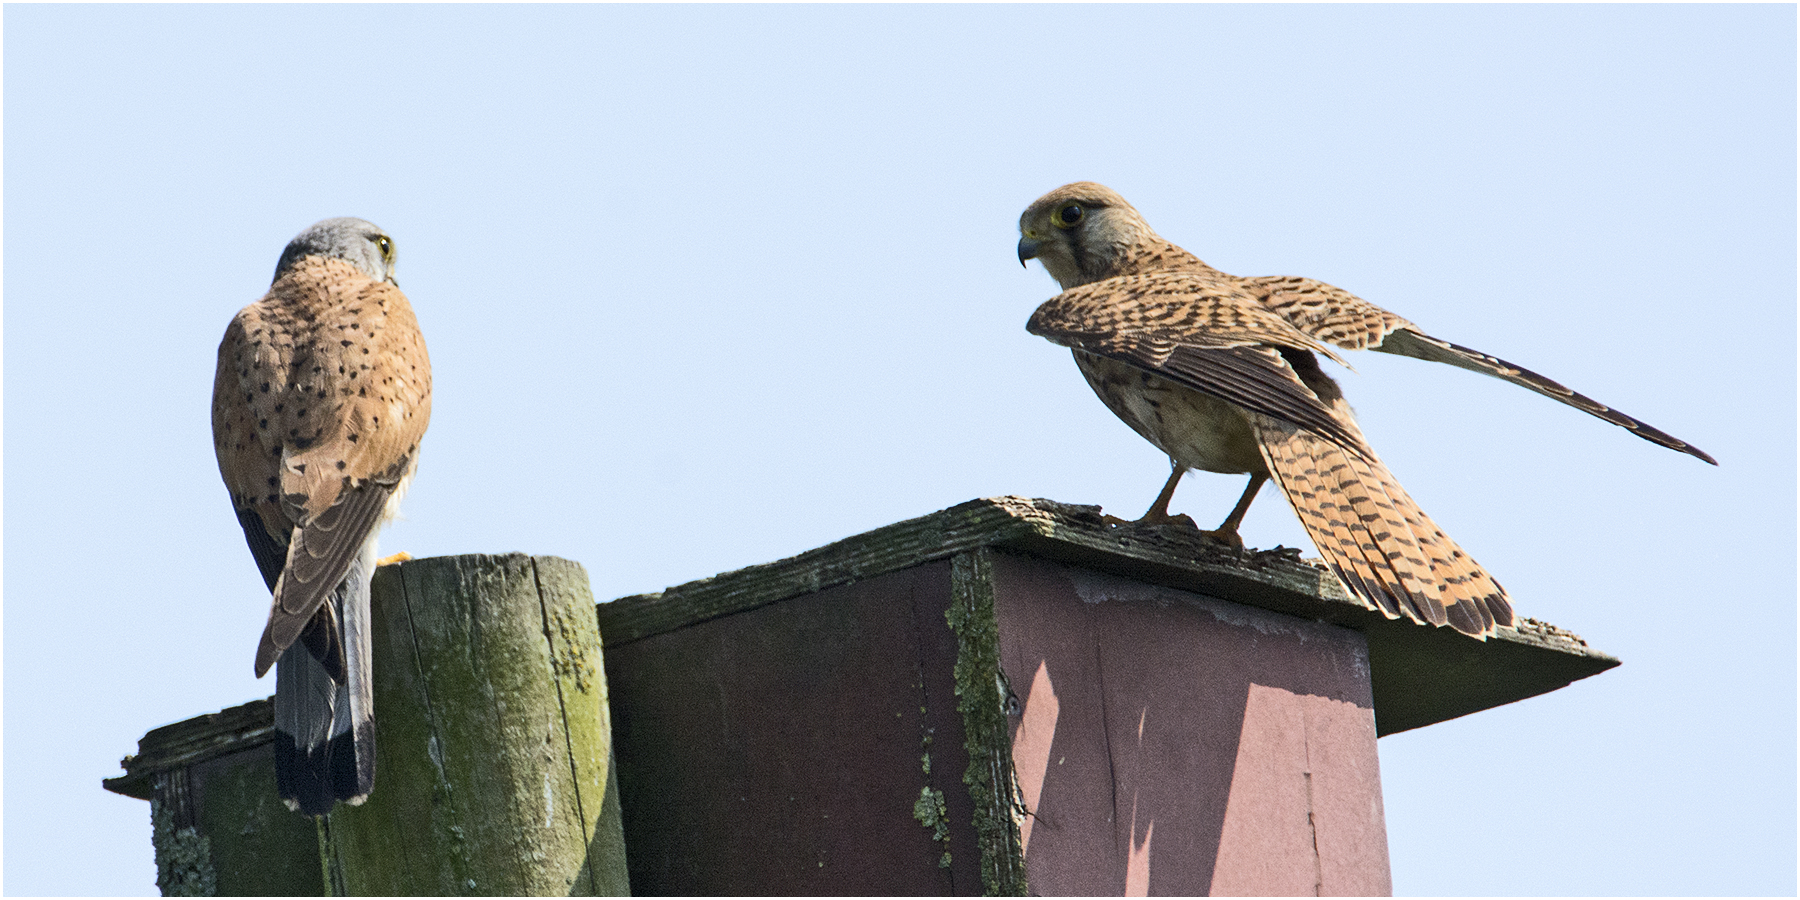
(1164, 518)
(400, 557)
(1227, 536)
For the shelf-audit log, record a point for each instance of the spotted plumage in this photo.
(1220, 372)
(322, 394)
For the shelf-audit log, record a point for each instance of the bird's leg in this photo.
(1158, 514)
(1159, 511)
(1227, 531)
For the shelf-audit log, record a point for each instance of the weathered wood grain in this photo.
(216, 824)
(1422, 674)
(493, 746)
(494, 770)
(981, 698)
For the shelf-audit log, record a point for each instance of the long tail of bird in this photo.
(1382, 546)
(325, 726)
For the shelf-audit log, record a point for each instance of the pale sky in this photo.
(710, 286)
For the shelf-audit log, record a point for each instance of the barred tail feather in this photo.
(1328, 522)
(325, 729)
(1386, 550)
(1308, 483)
(1386, 538)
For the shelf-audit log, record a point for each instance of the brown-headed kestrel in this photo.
(1222, 374)
(322, 394)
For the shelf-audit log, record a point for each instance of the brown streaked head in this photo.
(1081, 232)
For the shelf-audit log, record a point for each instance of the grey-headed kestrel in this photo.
(322, 394)
(1222, 374)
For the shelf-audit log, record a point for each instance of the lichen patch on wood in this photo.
(981, 699)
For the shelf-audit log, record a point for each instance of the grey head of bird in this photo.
(356, 241)
(1082, 233)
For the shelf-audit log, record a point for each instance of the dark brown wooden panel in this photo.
(782, 750)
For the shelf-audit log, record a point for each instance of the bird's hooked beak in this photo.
(1028, 248)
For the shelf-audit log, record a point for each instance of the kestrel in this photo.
(322, 393)
(1222, 374)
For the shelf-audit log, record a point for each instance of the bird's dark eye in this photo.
(1067, 216)
(386, 247)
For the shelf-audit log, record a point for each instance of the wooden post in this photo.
(1011, 696)
(492, 760)
(216, 824)
(493, 769)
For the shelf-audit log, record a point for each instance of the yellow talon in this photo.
(400, 557)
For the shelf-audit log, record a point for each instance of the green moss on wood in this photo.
(184, 865)
(931, 812)
(980, 698)
(259, 846)
(493, 746)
